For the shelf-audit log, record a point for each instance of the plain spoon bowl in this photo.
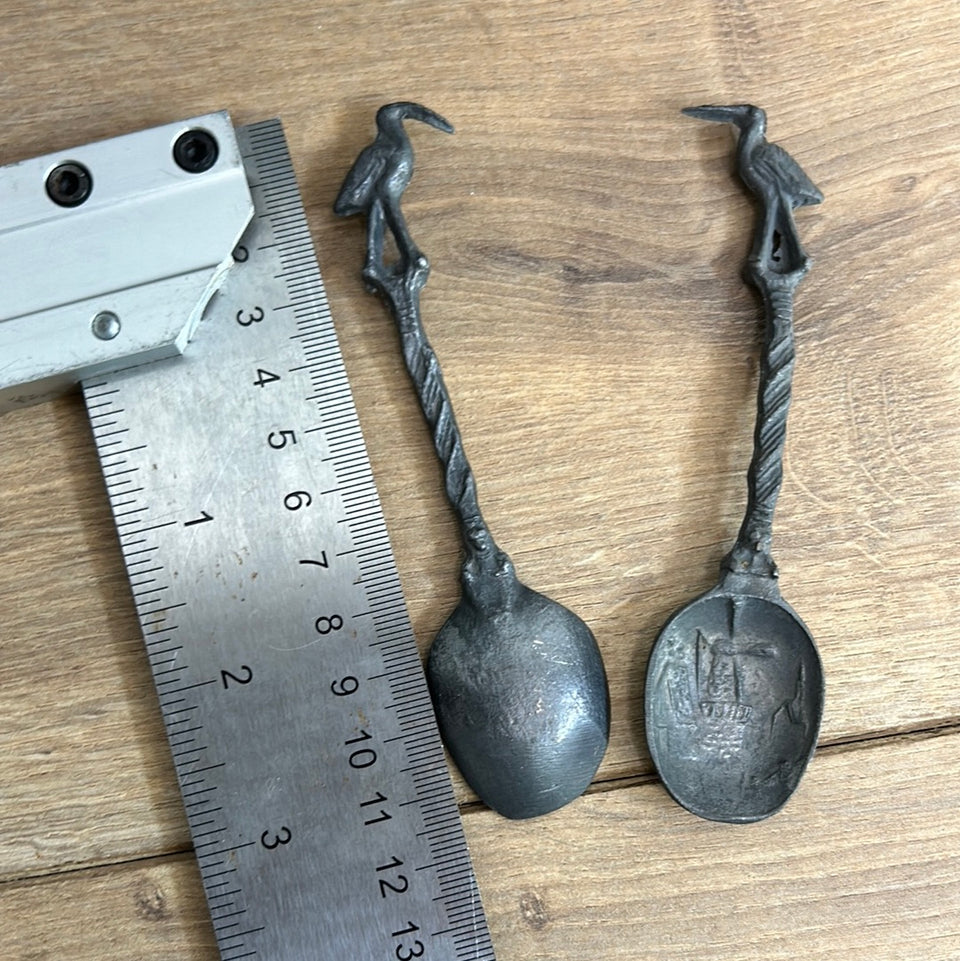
(521, 697)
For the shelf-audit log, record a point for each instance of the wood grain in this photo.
(623, 874)
(601, 352)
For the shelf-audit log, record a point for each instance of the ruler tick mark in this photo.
(189, 687)
(205, 790)
(225, 894)
(229, 850)
(204, 834)
(243, 934)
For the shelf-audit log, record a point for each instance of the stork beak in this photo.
(416, 111)
(734, 114)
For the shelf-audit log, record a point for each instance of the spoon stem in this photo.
(777, 263)
(402, 294)
(752, 551)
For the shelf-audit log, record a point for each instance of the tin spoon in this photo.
(517, 680)
(734, 689)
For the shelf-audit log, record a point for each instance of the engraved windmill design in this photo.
(729, 674)
(718, 673)
(719, 678)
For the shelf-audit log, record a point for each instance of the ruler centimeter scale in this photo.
(302, 731)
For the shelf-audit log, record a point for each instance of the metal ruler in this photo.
(294, 700)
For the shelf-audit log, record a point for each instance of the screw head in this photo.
(196, 151)
(106, 325)
(69, 184)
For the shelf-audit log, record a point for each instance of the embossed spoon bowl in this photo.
(734, 688)
(517, 680)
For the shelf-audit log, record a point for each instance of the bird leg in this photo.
(373, 265)
(383, 214)
(410, 253)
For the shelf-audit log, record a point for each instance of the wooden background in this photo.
(601, 351)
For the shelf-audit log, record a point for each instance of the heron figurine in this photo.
(378, 178)
(776, 178)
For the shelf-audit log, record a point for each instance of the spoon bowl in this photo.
(733, 702)
(521, 697)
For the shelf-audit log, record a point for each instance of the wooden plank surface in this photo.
(601, 351)
(622, 874)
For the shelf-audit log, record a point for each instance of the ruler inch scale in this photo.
(291, 688)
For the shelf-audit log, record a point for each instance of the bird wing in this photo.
(775, 165)
(355, 194)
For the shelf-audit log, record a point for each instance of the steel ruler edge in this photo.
(293, 696)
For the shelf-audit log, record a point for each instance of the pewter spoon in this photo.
(734, 689)
(517, 680)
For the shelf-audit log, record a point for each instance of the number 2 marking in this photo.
(227, 677)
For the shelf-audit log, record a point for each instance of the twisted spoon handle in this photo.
(402, 294)
(752, 551)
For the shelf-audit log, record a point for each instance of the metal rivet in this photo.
(106, 325)
(196, 151)
(69, 184)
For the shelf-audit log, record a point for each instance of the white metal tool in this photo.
(303, 735)
(111, 251)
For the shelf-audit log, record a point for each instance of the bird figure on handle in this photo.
(778, 182)
(376, 182)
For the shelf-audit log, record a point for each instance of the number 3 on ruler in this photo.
(272, 842)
